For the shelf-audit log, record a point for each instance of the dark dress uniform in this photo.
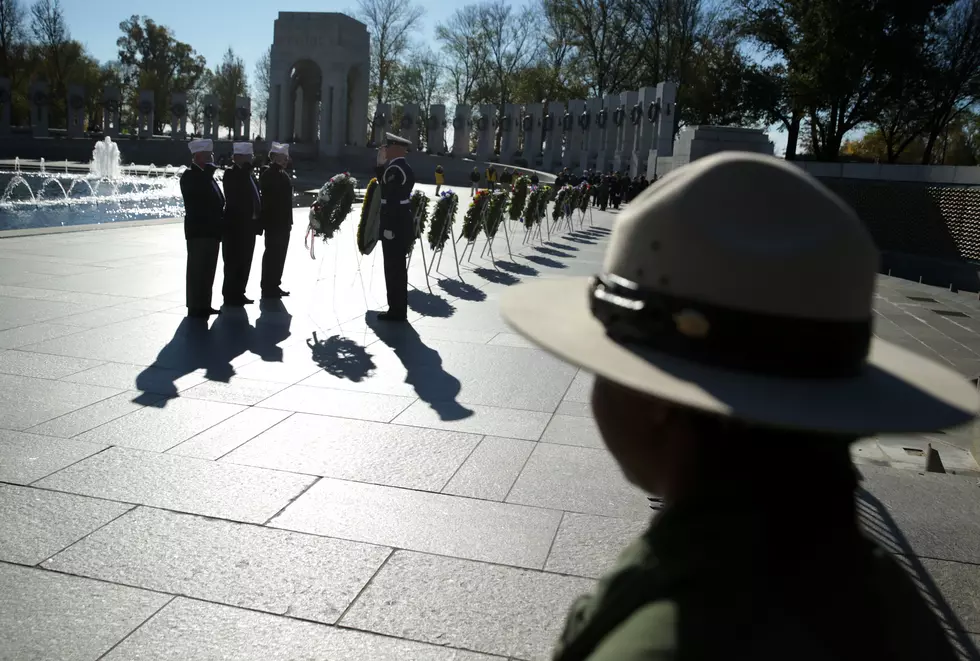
(204, 206)
(277, 221)
(243, 208)
(397, 236)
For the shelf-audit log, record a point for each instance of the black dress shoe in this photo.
(271, 294)
(246, 300)
(390, 316)
(283, 292)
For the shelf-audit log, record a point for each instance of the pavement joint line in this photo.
(442, 489)
(32, 484)
(248, 440)
(291, 501)
(554, 538)
(88, 534)
(137, 628)
(367, 583)
(157, 398)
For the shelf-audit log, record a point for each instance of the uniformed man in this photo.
(243, 208)
(204, 206)
(277, 219)
(732, 387)
(397, 181)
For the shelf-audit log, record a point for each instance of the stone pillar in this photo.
(6, 98)
(409, 128)
(333, 111)
(532, 126)
(39, 109)
(590, 132)
(358, 99)
(461, 131)
(145, 114)
(379, 124)
(178, 116)
(485, 130)
(573, 156)
(643, 133)
(76, 111)
(110, 112)
(607, 132)
(624, 145)
(553, 134)
(211, 117)
(435, 135)
(243, 114)
(665, 110)
(508, 132)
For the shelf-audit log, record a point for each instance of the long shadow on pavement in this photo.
(341, 357)
(461, 290)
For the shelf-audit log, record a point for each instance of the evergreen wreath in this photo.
(563, 201)
(520, 196)
(546, 196)
(473, 220)
(420, 211)
(333, 203)
(442, 219)
(369, 193)
(532, 214)
(498, 206)
(584, 191)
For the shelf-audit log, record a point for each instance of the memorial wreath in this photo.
(442, 219)
(473, 220)
(532, 214)
(520, 197)
(420, 211)
(333, 203)
(498, 206)
(563, 201)
(367, 228)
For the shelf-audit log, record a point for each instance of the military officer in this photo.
(704, 390)
(277, 219)
(397, 181)
(204, 206)
(243, 208)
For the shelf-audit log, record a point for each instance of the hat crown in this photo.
(748, 232)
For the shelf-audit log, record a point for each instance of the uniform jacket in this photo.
(277, 198)
(243, 205)
(397, 181)
(204, 203)
(713, 583)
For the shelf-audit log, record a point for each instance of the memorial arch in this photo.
(318, 96)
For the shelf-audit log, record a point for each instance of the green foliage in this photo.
(443, 217)
(473, 220)
(228, 82)
(521, 186)
(420, 211)
(332, 206)
(495, 215)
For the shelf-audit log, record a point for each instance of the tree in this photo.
(510, 46)
(228, 82)
(195, 101)
(419, 81)
(13, 56)
(54, 53)
(262, 88)
(152, 59)
(465, 52)
(390, 24)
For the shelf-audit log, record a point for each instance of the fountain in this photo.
(17, 164)
(106, 163)
(13, 185)
(44, 186)
(42, 165)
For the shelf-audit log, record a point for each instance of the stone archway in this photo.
(306, 90)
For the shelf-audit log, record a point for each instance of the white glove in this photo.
(382, 156)
(389, 235)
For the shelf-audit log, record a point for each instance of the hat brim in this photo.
(897, 392)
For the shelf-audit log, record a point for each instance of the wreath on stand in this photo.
(333, 203)
(532, 214)
(584, 197)
(420, 211)
(498, 206)
(366, 209)
(562, 200)
(520, 196)
(546, 196)
(473, 220)
(442, 218)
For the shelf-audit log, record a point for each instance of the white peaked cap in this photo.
(197, 146)
(243, 148)
(279, 148)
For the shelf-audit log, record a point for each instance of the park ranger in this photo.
(397, 232)
(730, 332)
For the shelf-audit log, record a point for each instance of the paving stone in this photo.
(490, 472)
(102, 317)
(578, 409)
(573, 479)
(225, 436)
(163, 425)
(90, 417)
(16, 338)
(46, 400)
(287, 573)
(187, 629)
(184, 484)
(25, 458)
(436, 523)
(339, 403)
(35, 524)
(588, 545)
(359, 450)
(573, 430)
(512, 340)
(42, 366)
(485, 608)
(246, 392)
(581, 388)
(15, 312)
(489, 420)
(156, 380)
(51, 616)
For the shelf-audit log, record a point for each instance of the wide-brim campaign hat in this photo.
(740, 286)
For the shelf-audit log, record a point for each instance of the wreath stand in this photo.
(471, 244)
(534, 231)
(451, 234)
(503, 221)
(419, 240)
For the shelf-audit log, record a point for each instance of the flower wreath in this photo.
(333, 203)
(420, 211)
(369, 193)
(562, 203)
(584, 197)
(473, 220)
(442, 219)
(532, 214)
(498, 206)
(520, 196)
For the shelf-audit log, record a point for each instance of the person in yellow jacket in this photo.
(440, 178)
(491, 177)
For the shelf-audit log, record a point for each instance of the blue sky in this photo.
(210, 26)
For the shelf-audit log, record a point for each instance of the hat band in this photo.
(724, 337)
